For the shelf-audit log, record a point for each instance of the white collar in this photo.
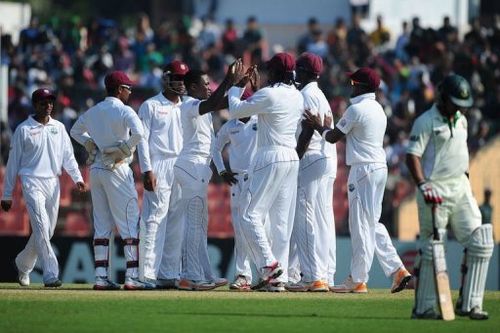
(359, 98)
(35, 123)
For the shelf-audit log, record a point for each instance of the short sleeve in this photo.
(191, 108)
(419, 137)
(348, 121)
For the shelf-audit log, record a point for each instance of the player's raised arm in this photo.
(215, 99)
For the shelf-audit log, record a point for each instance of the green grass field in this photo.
(77, 308)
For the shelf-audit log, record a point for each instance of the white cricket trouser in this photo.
(271, 189)
(161, 228)
(459, 208)
(332, 252)
(193, 179)
(312, 228)
(42, 202)
(366, 185)
(241, 258)
(387, 255)
(114, 200)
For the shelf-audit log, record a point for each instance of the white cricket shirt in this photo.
(162, 131)
(316, 102)
(364, 124)
(279, 109)
(242, 139)
(38, 150)
(108, 123)
(441, 145)
(197, 133)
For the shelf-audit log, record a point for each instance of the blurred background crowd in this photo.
(72, 56)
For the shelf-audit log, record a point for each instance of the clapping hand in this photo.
(312, 120)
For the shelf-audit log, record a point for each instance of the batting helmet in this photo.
(457, 89)
(173, 76)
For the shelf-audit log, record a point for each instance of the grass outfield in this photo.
(77, 308)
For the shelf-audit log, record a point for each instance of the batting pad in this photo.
(479, 251)
(426, 288)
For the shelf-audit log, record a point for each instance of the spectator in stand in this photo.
(230, 38)
(448, 33)
(318, 45)
(253, 39)
(308, 37)
(381, 35)
(357, 41)
(486, 208)
(402, 43)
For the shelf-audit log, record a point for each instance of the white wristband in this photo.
(325, 132)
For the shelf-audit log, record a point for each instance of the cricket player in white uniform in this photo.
(314, 227)
(272, 185)
(161, 224)
(39, 149)
(363, 125)
(438, 159)
(241, 137)
(114, 130)
(192, 171)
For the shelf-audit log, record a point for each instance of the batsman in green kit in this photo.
(438, 159)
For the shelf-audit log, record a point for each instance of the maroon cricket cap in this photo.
(310, 62)
(176, 67)
(116, 79)
(281, 62)
(42, 94)
(367, 77)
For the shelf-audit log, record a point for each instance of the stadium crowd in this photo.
(73, 57)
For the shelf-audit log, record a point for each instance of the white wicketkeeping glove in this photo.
(91, 149)
(113, 156)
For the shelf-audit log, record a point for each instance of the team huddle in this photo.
(282, 168)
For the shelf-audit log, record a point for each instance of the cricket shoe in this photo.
(103, 283)
(274, 286)
(22, 278)
(301, 286)
(427, 314)
(268, 273)
(167, 284)
(220, 282)
(136, 284)
(349, 286)
(240, 284)
(185, 284)
(400, 280)
(53, 284)
(475, 313)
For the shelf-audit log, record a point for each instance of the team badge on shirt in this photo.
(254, 127)
(53, 130)
(343, 122)
(351, 187)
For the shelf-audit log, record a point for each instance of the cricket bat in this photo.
(441, 274)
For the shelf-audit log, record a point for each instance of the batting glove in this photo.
(430, 194)
(91, 149)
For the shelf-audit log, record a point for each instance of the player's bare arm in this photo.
(149, 181)
(304, 139)
(214, 102)
(430, 194)
(82, 187)
(314, 121)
